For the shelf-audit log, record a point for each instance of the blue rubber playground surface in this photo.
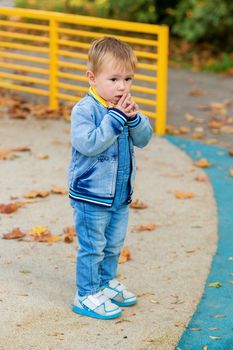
(211, 327)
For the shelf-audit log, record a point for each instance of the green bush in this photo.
(197, 20)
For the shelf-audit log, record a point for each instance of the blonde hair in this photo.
(121, 52)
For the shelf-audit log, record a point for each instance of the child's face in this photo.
(112, 81)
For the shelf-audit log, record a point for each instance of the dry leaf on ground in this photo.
(10, 208)
(125, 255)
(42, 156)
(202, 163)
(69, 234)
(35, 194)
(14, 234)
(231, 171)
(148, 227)
(200, 178)
(137, 204)
(184, 195)
(58, 190)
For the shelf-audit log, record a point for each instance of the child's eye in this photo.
(113, 79)
(128, 79)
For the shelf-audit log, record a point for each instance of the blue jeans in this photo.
(101, 230)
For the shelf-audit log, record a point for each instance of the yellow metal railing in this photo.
(45, 53)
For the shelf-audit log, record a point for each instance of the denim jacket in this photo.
(94, 138)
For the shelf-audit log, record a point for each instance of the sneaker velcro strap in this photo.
(116, 285)
(92, 302)
(110, 293)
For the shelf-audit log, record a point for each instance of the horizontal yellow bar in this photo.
(145, 101)
(149, 114)
(24, 89)
(24, 78)
(24, 47)
(145, 78)
(20, 57)
(73, 44)
(144, 89)
(24, 36)
(73, 87)
(84, 20)
(86, 33)
(147, 66)
(72, 65)
(73, 54)
(9, 24)
(24, 68)
(72, 76)
(144, 54)
(69, 97)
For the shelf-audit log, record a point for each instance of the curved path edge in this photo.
(211, 326)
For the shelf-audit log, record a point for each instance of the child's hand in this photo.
(127, 105)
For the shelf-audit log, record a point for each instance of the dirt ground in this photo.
(167, 270)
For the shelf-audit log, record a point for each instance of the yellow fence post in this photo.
(162, 81)
(53, 74)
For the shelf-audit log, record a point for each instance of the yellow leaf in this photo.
(231, 171)
(202, 163)
(35, 194)
(38, 230)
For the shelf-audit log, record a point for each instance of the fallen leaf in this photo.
(55, 334)
(21, 149)
(148, 227)
(219, 316)
(38, 230)
(230, 152)
(213, 328)
(231, 171)
(69, 234)
(35, 194)
(14, 234)
(197, 92)
(200, 178)
(184, 195)
(58, 190)
(189, 117)
(42, 156)
(137, 204)
(10, 208)
(198, 135)
(214, 338)
(215, 284)
(202, 163)
(154, 301)
(195, 329)
(125, 255)
(6, 155)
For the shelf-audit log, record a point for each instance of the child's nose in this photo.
(121, 85)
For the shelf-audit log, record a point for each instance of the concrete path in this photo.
(169, 265)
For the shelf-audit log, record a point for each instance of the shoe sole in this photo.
(126, 303)
(90, 313)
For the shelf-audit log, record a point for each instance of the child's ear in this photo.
(91, 77)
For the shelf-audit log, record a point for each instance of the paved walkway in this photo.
(169, 264)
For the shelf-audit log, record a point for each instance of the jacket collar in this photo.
(97, 97)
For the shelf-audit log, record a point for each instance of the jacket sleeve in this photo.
(140, 130)
(89, 139)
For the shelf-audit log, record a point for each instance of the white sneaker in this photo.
(118, 294)
(96, 305)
